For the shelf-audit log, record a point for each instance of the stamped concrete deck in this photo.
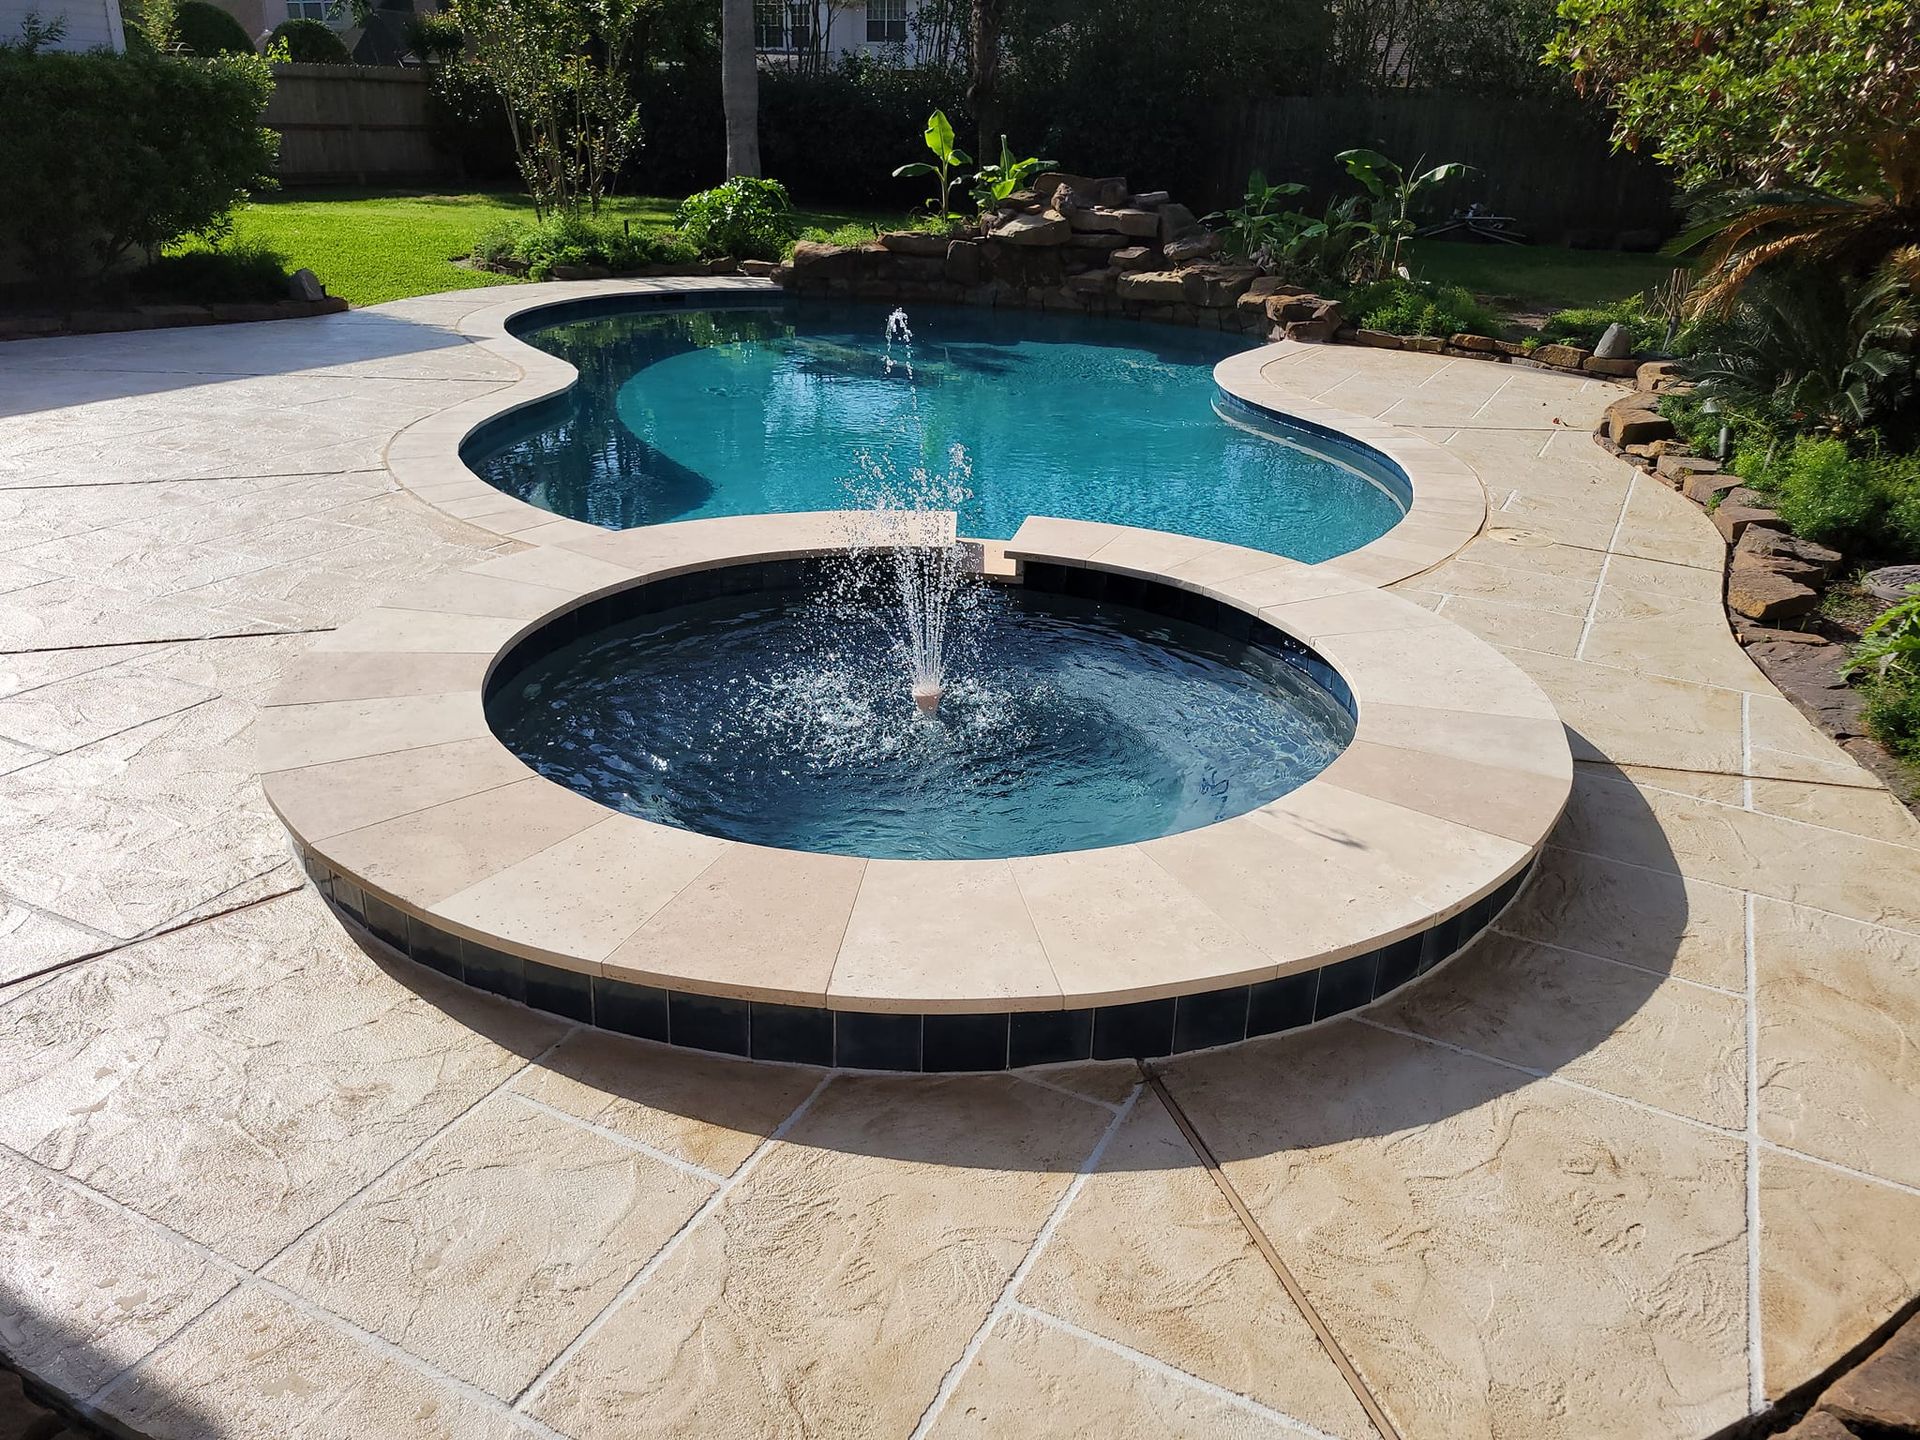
(1645, 1160)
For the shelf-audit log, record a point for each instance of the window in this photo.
(800, 25)
(887, 20)
(310, 9)
(783, 24)
(769, 29)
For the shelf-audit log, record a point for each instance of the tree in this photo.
(740, 87)
(561, 68)
(983, 86)
(1761, 95)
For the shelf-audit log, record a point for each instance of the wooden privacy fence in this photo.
(352, 125)
(1549, 166)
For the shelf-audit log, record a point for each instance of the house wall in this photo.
(91, 24)
(844, 27)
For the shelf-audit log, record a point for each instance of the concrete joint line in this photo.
(1362, 1392)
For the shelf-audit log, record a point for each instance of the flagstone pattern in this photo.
(1634, 1166)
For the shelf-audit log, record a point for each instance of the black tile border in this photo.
(916, 1043)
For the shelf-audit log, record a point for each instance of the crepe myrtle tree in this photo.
(561, 68)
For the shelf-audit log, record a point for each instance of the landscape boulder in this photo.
(1789, 555)
(1760, 592)
(1635, 419)
(303, 284)
(1707, 486)
(1561, 357)
(1657, 376)
(915, 242)
(1214, 287)
(1379, 339)
(1134, 257)
(1196, 245)
(1153, 287)
(1047, 227)
(1677, 469)
(1087, 189)
(1892, 582)
(1616, 343)
(1883, 1393)
(1741, 509)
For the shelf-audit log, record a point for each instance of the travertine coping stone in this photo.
(1449, 503)
(1457, 771)
(1448, 507)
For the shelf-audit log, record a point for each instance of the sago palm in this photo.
(1872, 234)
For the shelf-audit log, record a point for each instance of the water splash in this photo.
(909, 524)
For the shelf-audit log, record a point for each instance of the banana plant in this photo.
(1395, 193)
(993, 183)
(947, 159)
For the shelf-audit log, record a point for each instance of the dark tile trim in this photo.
(856, 1040)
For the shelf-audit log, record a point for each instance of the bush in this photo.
(1892, 713)
(145, 149)
(310, 42)
(468, 123)
(580, 240)
(1859, 498)
(207, 30)
(1584, 325)
(746, 218)
(434, 38)
(204, 274)
(1409, 307)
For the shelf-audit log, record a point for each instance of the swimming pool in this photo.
(716, 408)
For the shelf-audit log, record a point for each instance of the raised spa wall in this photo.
(897, 1041)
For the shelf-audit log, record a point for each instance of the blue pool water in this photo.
(781, 717)
(687, 413)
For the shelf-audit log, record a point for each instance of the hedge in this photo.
(146, 149)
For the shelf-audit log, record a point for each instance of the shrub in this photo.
(434, 38)
(310, 42)
(468, 123)
(580, 240)
(1409, 307)
(1860, 498)
(146, 149)
(1584, 325)
(202, 273)
(1892, 713)
(207, 30)
(746, 218)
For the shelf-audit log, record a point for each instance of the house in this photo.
(380, 41)
(813, 31)
(86, 24)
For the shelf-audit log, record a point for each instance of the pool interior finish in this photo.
(710, 408)
(761, 703)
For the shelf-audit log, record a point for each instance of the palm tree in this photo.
(1873, 233)
(740, 87)
(983, 85)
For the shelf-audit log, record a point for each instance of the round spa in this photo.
(696, 783)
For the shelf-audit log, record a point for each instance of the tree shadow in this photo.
(65, 371)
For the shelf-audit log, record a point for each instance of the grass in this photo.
(1538, 277)
(374, 245)
(371, 246)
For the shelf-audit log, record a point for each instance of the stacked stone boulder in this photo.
(1771, 574)
(1088, 244)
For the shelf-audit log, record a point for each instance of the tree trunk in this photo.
(740, 87)
(983, 88)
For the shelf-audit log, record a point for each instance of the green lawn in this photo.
(371, 246)
(1538, 277)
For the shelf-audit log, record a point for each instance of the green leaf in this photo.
(918, 167)
(940, 137)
